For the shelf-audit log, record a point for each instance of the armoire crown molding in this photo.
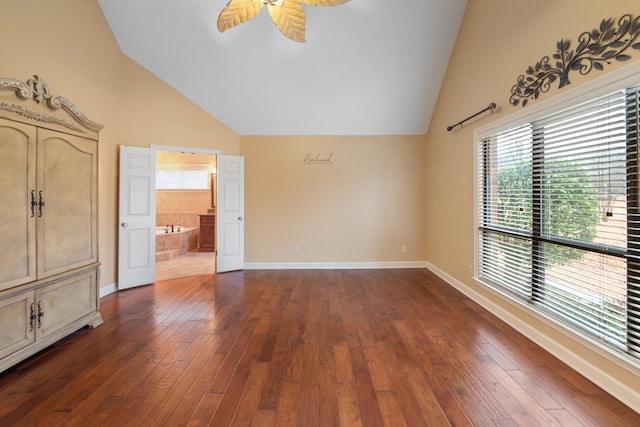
(37, 90)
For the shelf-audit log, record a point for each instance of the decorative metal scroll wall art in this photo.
(595, 48)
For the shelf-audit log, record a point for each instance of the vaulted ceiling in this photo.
(369, 67)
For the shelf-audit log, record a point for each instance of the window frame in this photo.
(626, 76)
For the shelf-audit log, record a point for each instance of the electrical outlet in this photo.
(296, 249)
(403, 248)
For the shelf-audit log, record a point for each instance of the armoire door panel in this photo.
(17, 222)
(16, 327)
(62, 303)
(67, 197)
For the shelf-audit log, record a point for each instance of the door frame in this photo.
(187, 150)
(156, 147)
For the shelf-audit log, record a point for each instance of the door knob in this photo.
(125, 225)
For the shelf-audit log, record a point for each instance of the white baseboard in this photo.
(106, 290)
(332, 265)
(627, 395)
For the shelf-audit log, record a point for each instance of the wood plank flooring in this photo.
(301, 348)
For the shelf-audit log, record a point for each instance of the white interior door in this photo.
(230, 213)
(137, 217)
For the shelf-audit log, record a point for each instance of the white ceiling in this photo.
(369, 67)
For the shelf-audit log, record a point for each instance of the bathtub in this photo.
(167, 230)
(171, 244)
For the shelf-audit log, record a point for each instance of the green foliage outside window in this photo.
(569, 198)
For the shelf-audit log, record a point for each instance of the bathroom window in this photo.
(183, 177)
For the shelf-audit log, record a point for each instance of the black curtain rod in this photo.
(491, 107)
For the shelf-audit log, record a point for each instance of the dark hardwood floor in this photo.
(301, 348)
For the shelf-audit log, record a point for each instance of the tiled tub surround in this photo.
(185, 219)
(171, 244)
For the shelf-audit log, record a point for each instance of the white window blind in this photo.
(183, 177)
(558, 216)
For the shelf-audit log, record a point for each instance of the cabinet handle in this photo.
(40, 314)
(33, 203)
(32, 317)
(40, 203)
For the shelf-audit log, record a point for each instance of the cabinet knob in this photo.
(240, 218)
(125, 225)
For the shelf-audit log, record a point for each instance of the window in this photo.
(183, 177)
(558, 223)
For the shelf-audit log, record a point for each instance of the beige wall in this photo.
(499, 39)
(69, 44)
(361, 206)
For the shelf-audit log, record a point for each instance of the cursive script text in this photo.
(317, 159)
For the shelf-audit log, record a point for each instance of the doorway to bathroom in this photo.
(137, 220)
(185, 214)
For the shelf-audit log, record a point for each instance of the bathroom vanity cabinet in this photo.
(49, 266)
(207, 235)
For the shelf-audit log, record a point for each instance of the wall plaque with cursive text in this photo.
(318, 159)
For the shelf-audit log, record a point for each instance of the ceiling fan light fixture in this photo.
(287, 15)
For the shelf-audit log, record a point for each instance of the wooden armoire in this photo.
(49, 265)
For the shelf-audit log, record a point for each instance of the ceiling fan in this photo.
(288, 15)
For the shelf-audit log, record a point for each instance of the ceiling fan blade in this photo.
(290, 19)
(238, 11)
(323, 2)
